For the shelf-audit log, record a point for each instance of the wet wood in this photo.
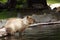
(4, 33)
(47, 23)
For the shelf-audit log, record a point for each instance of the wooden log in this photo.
(47, 23)
(3, 32)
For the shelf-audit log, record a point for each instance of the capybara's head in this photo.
(29, 20)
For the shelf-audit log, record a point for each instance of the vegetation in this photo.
(3, 1)
(53, 1)
(20, 4)
(6, 14)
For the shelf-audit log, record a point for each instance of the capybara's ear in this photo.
(28, 17)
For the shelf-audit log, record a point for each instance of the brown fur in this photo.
(17, 24)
